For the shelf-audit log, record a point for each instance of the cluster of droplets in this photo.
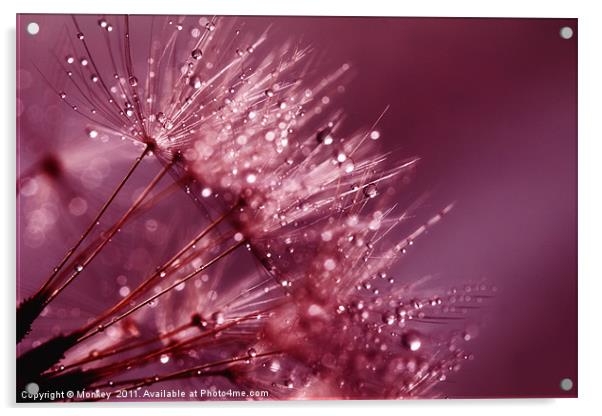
(261, 136)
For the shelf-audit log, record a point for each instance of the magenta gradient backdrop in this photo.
(490, 105)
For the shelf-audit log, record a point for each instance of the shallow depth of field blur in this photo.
(489, 106)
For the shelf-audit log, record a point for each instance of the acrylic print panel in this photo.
(278, 208)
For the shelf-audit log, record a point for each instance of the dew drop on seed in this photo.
(323, 136)
(197, 54)
(195, 82)
(370, 191)
(411, 341)
(388, 318)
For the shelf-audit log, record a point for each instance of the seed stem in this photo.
(100, 213)
(153, 277)
(162, 292)
(112, 231)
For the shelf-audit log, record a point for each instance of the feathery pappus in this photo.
(276, 278)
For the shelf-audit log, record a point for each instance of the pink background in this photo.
(490, 107)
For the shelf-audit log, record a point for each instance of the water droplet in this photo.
(103, 23)
(83, 61)
(164, 359)
(94, 78)
(330, 264)
(371, 191)
(133, 81)
(195, 32)
(218, 318)
(252, 352)
(92, 133)
(348, 166)
(62, 95)
(269, 93)
(288, 384)
(195, 82)
(411, 341)
(80, 36)
(324, 136)
(388, 318)
(79, 268)
(375, 135)
(196, 54)
(70, 59)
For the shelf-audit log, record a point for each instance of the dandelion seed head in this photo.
(253, 133)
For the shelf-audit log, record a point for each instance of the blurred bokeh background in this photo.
(490, 107)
